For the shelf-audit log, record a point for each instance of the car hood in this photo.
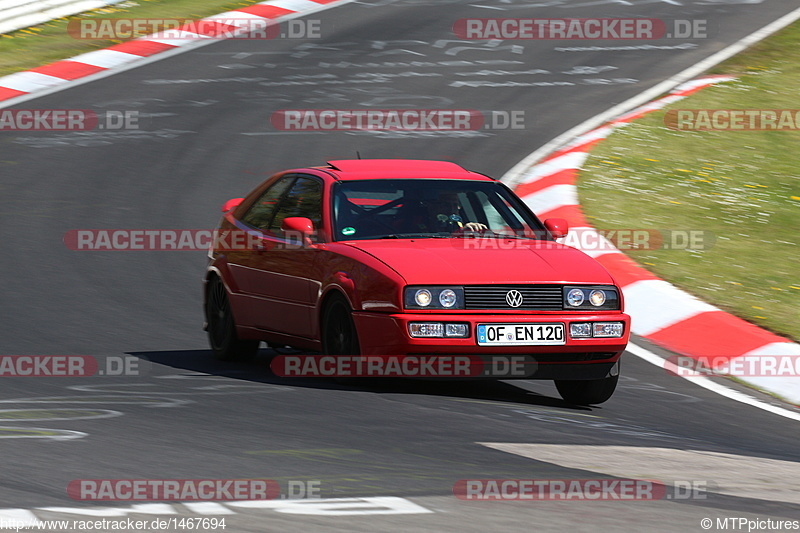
(484, 261)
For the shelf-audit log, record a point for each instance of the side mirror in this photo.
(300, 228)
(233, 203)
(558, 227)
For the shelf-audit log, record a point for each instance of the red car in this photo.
(412, 258)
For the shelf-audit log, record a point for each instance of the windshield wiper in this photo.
(410, 236)
(487, 234)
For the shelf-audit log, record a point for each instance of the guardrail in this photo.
(17, 14)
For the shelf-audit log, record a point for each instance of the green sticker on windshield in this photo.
(349, 230)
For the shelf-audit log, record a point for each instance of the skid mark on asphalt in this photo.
(159, 395)
(42, 415)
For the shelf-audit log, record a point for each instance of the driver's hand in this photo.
(475, 226)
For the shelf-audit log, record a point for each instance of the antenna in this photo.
(358, 154)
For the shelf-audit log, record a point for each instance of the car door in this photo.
(278, 273)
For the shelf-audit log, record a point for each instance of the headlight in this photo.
(597, 298)
(575, 297)
(447, 298)
(423, 297)
(591, 298)
(434, 297)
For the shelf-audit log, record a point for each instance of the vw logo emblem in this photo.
(514, 298)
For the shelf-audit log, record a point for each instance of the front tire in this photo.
(222, 337)
(587, 392)
(339, 335)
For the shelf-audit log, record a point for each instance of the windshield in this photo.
(429, 208)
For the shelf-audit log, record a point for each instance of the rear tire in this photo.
(222, 337)
(587, 392)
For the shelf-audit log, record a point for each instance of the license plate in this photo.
(521, 334)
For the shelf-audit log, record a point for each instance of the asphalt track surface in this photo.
(205, 136)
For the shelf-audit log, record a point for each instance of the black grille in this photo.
(534, 297)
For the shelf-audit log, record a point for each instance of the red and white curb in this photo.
(122, 55)
(660, 312)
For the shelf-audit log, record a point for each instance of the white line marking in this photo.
(512, 176)
(741, 476)
(570, 161)
(212, 508)
(655, 304)
(29, 81)
(294, 5)
(105, 58)
(237, 16)
(713, 386)
(551, 198)
(144, 61)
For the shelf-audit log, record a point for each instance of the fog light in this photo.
(580, 329)
(423, 297)
(597, 298)
(608, 329)
(426, 329)
(456, 330)
(575, 297)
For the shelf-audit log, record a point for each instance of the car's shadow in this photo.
(259, 371)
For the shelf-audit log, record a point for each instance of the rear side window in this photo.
(262, 212)
(303, 200)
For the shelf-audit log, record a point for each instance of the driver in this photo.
(445, 214)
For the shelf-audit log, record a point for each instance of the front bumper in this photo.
(578, 358)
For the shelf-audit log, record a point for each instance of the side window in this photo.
(303, 200)
(263, 210)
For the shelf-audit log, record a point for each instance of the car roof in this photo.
(370, 169)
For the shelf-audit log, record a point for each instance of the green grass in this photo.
(742, 187)
(32, 47)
